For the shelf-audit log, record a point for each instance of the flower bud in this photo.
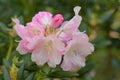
(57, 20)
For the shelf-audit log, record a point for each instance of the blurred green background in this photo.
(101, 21)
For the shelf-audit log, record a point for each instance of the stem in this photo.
(10, 48)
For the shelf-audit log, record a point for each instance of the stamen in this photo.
(50, 31)
(59, 32)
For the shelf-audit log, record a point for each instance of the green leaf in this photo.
(85, 70)
(3, 35)
(104, 17)
(2, 44)
(6, 63)
(6, 74)
(1, 75)
(20, 72)
(3, 27)
(30, 77)
(62, 74)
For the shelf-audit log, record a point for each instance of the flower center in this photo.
(36, 32)
(49, 31)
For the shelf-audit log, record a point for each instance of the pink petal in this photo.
(33, 42)
(40, 55)
(20, 29)
(72, 25)
(72, 63)
(34, 29)
(54, 58)
(43, 18)
(21, 48)
(80, 36)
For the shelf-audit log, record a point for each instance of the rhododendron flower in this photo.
(30, 34)
(48, 51)
(52, 41)
(76, 51)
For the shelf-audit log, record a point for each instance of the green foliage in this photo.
(30, 77)
(20, 72)
(100, 21)
(6, 74)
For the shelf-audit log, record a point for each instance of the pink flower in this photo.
(49, 42)
(48, 52)
(76, 51)
(30, 35)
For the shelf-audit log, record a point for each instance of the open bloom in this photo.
(49, 39)
(29, 34)
(76, 51)
(48, 51)
(39, 38)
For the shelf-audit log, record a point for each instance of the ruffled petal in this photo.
(43, 18)
(72, 63)
(76, 51)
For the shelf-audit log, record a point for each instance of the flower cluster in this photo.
(54, 41)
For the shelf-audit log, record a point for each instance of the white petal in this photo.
(54, 59)
(40, 56)
(72, 62)
(77, 9)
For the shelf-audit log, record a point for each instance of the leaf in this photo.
(3, 35)
(105, 16)
(3, 27)
(20, 72)
(62, 74)
(2, 44)
(85, 70)
(30, 77)
(1, 75)
(6, 74)
(6, 63)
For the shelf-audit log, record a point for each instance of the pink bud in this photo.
(57, 20)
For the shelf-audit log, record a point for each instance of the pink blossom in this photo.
(49, 39)
(30, 35)
(76, 51)
(48, 52)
